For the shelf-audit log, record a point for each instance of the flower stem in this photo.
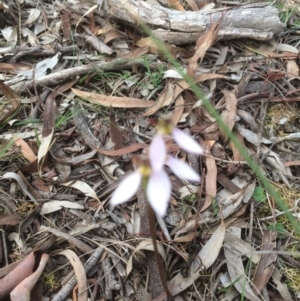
(157, 256)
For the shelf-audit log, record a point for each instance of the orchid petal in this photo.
(159, 192)
(157, 153)
(182, 170)
(127, 189)
(186, 142)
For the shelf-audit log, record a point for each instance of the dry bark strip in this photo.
(70, 73)
(259, 21)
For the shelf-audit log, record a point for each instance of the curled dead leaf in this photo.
(16, 276)
(79, 273)
(22, 290)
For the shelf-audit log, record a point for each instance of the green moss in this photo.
(50, 283)
(282, 119)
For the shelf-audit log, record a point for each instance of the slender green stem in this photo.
(210, 108)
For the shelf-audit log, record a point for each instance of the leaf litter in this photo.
(81, 98)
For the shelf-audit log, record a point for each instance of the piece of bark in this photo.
(70, 73)
(259, 21)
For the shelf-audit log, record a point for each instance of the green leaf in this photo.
(191, 198)
(259, 194)
(277, 228)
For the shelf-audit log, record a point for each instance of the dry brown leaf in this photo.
(39, 184)
(265, 267)
(10, 219)
(165, 99)
(66, 26)
(229, 112)
(84, 188)
(26, 150)
(45, 145)
(204, 77)
(92, 26)
(291, 163)
(185, 238)
(178, 111)
(132, 148)
(210, 182)
(96, 42)
(34, 14)
(50, 107)
(249, 192)
(135, 53)
(91, 9)
(204, 42)
(29, 187)
(79, 273)
(180, 86)
(275, 161)
(292, 69)
(14, 100)
(236, 153)
(193, 5)
(198, 79)
(231, 203)
(114, 101)
(49, 116)
(76, 159)
(153, 47)
(183, 85)
(52, 206)
(107, 28)
(210, 177)
(115, 133)
(4, 67)
(32, 167)
(177, 5)
(112, 35)
(236, 268)
(123, 151)
(12, 175)
(71, 239)
(239, 245)
(280, 286)
(29, 219)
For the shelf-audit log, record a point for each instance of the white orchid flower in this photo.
(185, 141)
(158, 189)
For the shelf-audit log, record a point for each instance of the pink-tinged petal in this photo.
(182, 170)
(157, 153)
(159, 192)
(127, 189)
(186, 142)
